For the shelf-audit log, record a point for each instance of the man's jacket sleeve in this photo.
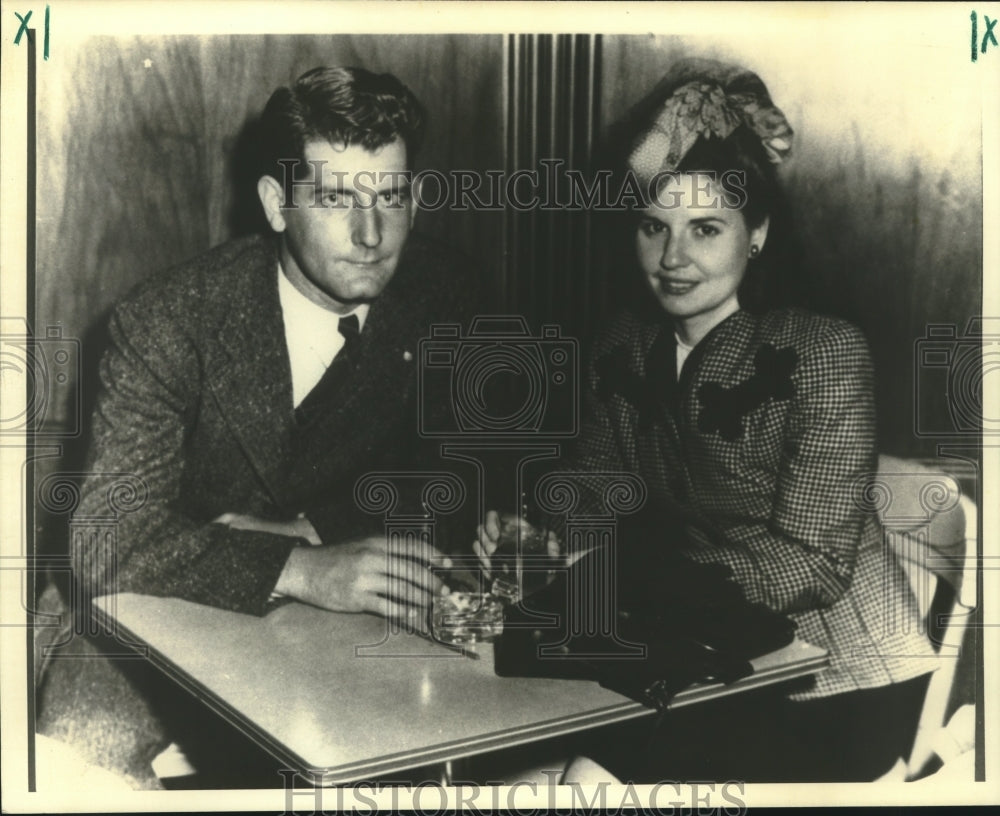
(131, 533)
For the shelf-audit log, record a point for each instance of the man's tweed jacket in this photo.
(763, 445)
(197, 401)
(196, 413)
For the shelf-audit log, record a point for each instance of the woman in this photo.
(757, 426)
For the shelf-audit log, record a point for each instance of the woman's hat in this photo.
(710, 99)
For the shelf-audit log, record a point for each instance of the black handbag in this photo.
(674, 622)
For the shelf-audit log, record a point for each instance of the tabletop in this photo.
(341, 697)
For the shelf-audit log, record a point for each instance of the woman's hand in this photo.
(489, 535)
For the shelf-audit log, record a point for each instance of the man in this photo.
(245, 393)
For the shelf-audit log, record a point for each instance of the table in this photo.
(341, 697)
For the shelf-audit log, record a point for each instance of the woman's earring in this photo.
(754, 250)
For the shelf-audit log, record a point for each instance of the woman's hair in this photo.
(740, 153)
(774, 278)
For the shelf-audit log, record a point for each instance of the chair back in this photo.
(932, 529)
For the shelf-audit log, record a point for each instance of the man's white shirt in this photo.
(312, 336)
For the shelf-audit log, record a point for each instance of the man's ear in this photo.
(271, 198)
(758, 235)
(414, 198)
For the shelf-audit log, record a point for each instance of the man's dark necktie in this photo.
(350, 328)
(325, 390)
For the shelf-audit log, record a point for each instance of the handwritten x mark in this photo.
(988, 37)
(23, 28)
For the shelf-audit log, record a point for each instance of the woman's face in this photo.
(693, 250)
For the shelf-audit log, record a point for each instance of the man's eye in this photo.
(331, 199)
(394, 198)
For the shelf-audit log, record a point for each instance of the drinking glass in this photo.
(521, 560)
(466, 618)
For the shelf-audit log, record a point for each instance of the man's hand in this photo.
(300, 528)
(367, 575)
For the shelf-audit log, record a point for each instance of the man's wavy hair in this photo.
(348, 106)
